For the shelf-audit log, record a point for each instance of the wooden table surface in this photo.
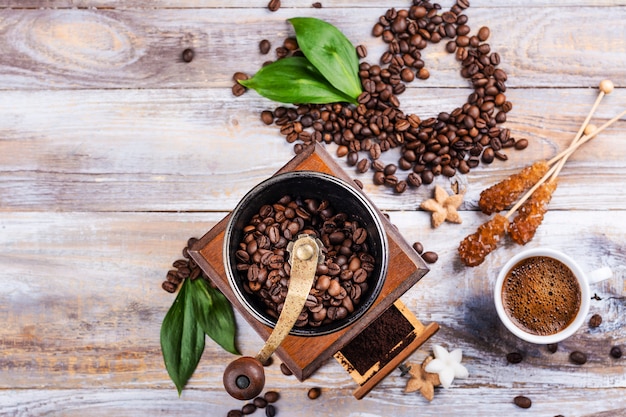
(113, 152)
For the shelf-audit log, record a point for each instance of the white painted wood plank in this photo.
(288, 4)
(87, 48)
(471, 402)
(82, 306)
(172, 150)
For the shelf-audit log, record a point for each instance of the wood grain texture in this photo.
(95, 329)
(87, 48)
(173, 150)
(113, 152)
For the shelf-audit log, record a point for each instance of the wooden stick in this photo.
(585, 138)
(564, 154)
(605, 87)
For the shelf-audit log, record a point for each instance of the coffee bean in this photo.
(488, 156)
(285, 370)
(514, 357)
(522, 401)
(273, 5)
(248, 409)
(552, 347)
(361, 51)
(595, 321)
(419, 248)
(267, 117)
(578, 357)
(521, 144)
(400, 187)
(271, 396)
(483, 33)
(616, 352)
(317, 5)
(234, 413)
(238, 90)
(270, 411)
(314, 393)
(188, 55)
(259, 402)
(265, 46)
(169, 286)
(430, 257)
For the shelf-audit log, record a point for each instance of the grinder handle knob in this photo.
(244, 378)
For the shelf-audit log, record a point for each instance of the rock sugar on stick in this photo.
(533, 205)
(503, 194)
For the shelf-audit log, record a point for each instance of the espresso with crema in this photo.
(541, 295)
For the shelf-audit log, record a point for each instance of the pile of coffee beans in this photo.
(341, 281)
(265, 402)
(182, 269)
(452, 142)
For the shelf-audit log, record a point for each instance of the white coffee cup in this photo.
(584, 281)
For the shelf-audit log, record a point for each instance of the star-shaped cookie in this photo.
(443, 207)
(422, 381)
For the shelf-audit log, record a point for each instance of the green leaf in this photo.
(214, 314)
(182, 339)
(294, 80)
(330, 52)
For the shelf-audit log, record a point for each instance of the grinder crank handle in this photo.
(244, 378)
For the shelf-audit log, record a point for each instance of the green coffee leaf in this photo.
(214, 314)
(182, 339)
(330, 52)
(294, 80)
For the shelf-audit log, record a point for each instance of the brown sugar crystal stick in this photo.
(532, 207)
(475, 247)
(503, 194)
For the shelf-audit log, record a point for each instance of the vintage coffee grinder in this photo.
(314, 174)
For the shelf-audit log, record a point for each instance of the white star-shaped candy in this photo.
(447, 365)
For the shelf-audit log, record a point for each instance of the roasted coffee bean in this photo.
(361, 51)
(248, 409)
(273, 5)
(514, 357)
(616, 352)
(271, 396)
(169, 286)
(578, 357)
(419, 248)
(595, 321)
(522, 401)
(234, 413)
(238, 89)
(270, 411)
(317, 5)
(259, 402)
(483, 33)
(430, 257)
(521, 144)
(188, 55)
(314, 393)
(400, 187)
(267, 117)
(488, 156)
(265, 46)
(552, 347)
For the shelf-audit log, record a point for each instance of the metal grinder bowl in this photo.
(343, 197)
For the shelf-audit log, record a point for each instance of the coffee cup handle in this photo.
(600, 274)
